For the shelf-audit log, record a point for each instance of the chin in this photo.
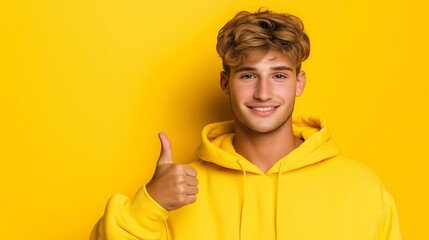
(255, 125)
(264, 128)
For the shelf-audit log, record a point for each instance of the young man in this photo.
(263, 175)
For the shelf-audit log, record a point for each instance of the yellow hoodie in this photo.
(310, 194)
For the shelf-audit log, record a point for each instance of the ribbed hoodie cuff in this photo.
(146, 210)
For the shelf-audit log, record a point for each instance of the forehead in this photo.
(269, 57)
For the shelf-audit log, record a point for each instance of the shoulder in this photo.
(352, 168)
(356, 176)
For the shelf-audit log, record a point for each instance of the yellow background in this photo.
(86, 86)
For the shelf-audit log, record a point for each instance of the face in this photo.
(262, 91)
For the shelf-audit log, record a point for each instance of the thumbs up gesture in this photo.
(172, 185)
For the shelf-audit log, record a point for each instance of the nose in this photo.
(263, 90)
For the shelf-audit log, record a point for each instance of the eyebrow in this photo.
(278, 68)
(282, 68)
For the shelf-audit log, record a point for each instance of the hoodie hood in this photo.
(217, 148)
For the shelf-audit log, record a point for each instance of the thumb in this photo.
(165, 155)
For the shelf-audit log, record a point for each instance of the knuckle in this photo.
(177, 180)
(179, 167)
(180, 179)
(180, 189)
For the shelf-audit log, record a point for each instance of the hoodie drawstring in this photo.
(243, 199)
(278, 198)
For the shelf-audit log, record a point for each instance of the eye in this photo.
(247, 76)
(279, 76)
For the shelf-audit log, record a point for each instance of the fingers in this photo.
(165, 157)
(191, 181)
(186, 188)
(190, 195)
(190, 171)
(191, 199)
(182, 178)
(192, 190)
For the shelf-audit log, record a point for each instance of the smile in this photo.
(263, 109)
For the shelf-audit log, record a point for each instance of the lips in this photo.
(263, 110)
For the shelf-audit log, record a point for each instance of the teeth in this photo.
(263, 109)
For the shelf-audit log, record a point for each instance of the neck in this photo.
(265, 149)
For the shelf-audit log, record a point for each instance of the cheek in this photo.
(241, 91)
(235, 99)
(286, 91)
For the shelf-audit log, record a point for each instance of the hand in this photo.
(172, 185)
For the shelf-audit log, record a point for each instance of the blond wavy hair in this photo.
(260, 31)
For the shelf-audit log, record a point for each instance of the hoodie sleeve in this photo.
(388, 227)
(137, 218)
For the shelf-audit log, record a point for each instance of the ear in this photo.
(300, 83)
(224, 82)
